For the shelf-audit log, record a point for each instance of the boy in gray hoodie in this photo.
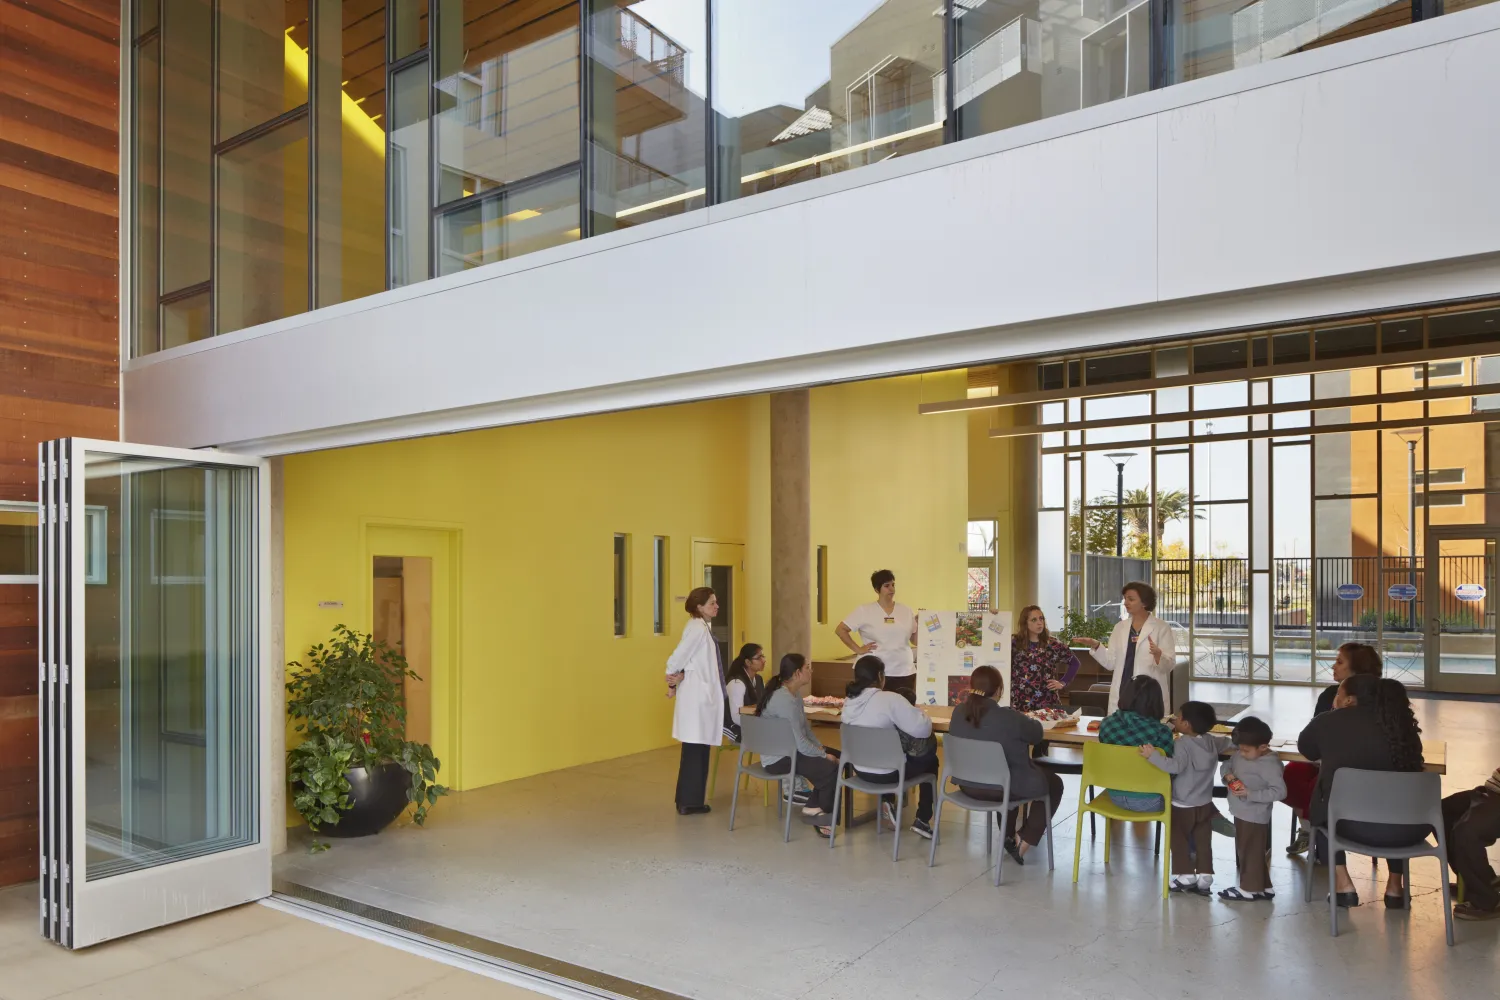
(1253, 776)
(1195, 755)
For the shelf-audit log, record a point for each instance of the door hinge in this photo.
(64, 675)
(65, 512)
(65, 466)
(66, 873)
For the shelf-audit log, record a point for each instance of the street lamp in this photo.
(1120, 458)
(1411, 436)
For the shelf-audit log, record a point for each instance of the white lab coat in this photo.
(1112, 657)
(698, 716)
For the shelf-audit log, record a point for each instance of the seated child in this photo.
(1137, 721)
(1253, 777)
(1195, 755)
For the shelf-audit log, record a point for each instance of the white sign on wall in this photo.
(950, 644)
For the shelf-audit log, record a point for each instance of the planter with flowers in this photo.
(354, 771)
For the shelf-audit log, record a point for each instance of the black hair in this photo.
(1143, 697)
(739, 669)
(984, 686)
(1200, 715)
(1403, 735)
(869, 672)
(1250, 732)
(790, 664)
(880, 578)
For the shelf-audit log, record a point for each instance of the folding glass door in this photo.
(153, 732)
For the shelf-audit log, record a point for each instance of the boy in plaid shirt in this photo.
(1138, 722)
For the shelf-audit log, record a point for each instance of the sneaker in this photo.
(1300, 844)
(1222, 825)
(801, 797)
(1468, 911)
(922, 829)
(888, 814)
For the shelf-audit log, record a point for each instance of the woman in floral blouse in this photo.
(1036, 661)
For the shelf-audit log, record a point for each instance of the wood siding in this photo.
(59, 328)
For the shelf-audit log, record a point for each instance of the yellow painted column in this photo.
(791, 525)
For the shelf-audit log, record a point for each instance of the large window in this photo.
(286, 155)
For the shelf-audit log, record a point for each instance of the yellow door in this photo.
(721, 565)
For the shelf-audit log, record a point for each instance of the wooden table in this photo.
(1434, 752)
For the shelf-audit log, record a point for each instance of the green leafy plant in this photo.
(347, 699)
(1076, 625)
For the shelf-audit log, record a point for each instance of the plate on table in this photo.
(1056, 718)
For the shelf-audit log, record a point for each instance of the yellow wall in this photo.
(890, 490)
(542, 682)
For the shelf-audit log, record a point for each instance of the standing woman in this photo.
(1142, 645)
(695, 678)
(1040, 665)
(742, 687)
(887, 630)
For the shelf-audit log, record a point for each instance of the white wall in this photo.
(1357, 176)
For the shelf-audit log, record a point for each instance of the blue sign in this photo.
(1469, 592)
(1350, 592)
(1403, 592)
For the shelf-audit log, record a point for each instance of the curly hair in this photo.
(1403, 734)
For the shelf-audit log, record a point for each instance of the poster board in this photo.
(950, 644)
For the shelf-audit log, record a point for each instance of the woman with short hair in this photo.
(887, 630)
(1142, 645)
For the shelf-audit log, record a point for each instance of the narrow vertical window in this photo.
(622, 559)
(659, 586)
(822, 584)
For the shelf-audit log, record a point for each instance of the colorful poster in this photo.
(949, 647)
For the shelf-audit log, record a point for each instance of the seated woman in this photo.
(1301, 776)
(1371, 728)
(1040, 664)
(742, 687)
(782, 699)
(865, 704)
(979, 718)
(1136, 723)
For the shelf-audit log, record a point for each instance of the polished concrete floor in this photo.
(592, 866)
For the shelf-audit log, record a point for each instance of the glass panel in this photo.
(262, 265)
(1345, 342)
(1291, 389)
(1291, 562)
(1466, 615)
(262, 61)
(806, 90)
(1118, 368)
(146, 242)
(1344, 465)
(981, 539)
(1291, 348)
(1114, 407)
(349, 130)
(1221, 469)
(146, 16)
(187, 144)
(1226, 355)
(18, 541)
(1221, 592)
(1452, 329)
(1050, 376)
(1346, 581)
(507, 93)
(186, 320)
(409, 27)
(408, 176)
(510, 224)
(1401, 334)
(171, 645)
(1052, 482)
(648, 77)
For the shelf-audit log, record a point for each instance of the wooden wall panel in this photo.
(59, 328)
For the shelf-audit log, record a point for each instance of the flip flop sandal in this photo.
(1233, 895)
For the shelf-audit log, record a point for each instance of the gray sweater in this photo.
(785, 705)
(1264, 786)
(1192, 768)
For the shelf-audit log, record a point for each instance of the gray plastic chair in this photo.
(1403, 797)
(766, 738)
(870, 748)
(981, 762)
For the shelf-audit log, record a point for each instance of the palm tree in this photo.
(1170, 506)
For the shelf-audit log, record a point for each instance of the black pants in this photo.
(1471, 822)
(1378, 835)
(927, 764)
(692, 774)
(1035, 825)
(906, 686)
(822, 772)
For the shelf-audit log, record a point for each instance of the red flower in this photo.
(365, 737)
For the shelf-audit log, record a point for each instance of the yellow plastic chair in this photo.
(713, 776)
(1125, 769)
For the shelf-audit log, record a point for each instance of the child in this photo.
(1137, 721)
(1194, 757)
(1253, 776)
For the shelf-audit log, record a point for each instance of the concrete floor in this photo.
(591, 865)
(251, 952)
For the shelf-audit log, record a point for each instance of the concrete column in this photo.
(275, 661)
(791, 525)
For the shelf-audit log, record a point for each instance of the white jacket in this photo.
(1112, 657)
(698, 716)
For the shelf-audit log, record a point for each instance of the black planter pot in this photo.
(378, 796)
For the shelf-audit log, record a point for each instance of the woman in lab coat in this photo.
(695, 677)
(1141, 645)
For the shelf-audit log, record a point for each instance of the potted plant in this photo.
(355, 771)
(1076, 624)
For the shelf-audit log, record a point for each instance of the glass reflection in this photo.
(262, 261)
(517, 221)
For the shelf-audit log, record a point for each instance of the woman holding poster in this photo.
(887, 630)
(1141, 645)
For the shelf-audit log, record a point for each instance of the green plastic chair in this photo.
(1125, 769)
